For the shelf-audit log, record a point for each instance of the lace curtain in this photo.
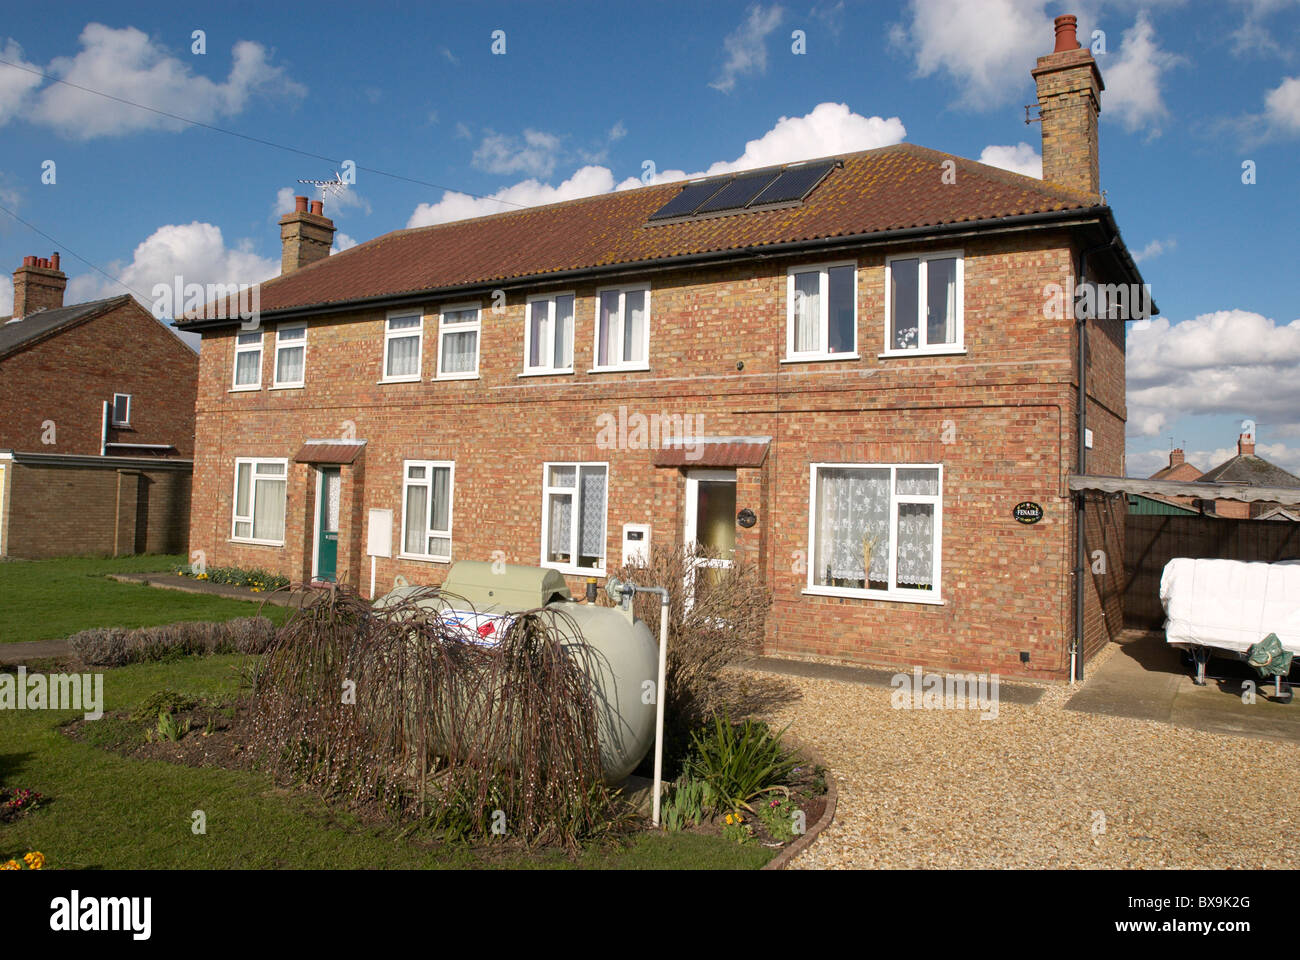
(941, 301)
(853, 517)
(289, 365)
(807, 312)
(592, 530)
(459, 352)
(915, 544)
(633, 326)
(268, 506)
(403, 356)
(246, 364)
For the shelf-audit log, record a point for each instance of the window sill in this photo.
(244, 389)
(423, 559)
(415, 379)
(547, 373)
(821, 358)
(927, 352)
(896, 597)
(455, 376)
(575, 571)
(256, 543)
(287, 386)
(643, 368)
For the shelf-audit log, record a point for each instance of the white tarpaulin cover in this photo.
(1230, 604)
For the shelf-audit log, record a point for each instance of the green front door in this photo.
(327, 525)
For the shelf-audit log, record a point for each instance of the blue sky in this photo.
(586, 94)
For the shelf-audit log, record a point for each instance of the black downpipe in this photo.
(1080, 509)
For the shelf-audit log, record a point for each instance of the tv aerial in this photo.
(329, 188)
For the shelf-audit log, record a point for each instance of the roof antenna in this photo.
(329, 188)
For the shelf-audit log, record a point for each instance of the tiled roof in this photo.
(16, 333)
(1250, 469)
(891, 188)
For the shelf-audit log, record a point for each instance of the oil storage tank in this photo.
(622, 652)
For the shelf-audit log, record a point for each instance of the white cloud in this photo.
(1154, 249)
(335, 203)
(449, 56)
(1143, 463)
(586, 182)
(15, 83)
(1230, 362)
(535, 154)
(1253, 37)
(618, 131)
(987, 48)
(1133, 80)
(126, 63)
(746, 46)
(6, 297)
(342, 242)
(1022, 159)
(832, 15)
(196, 252)
(1282, 107)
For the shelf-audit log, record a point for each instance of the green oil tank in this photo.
(624, 652)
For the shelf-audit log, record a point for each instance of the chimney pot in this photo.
(1176, 456)
(1246, 444)
(299, 204)
(1066, 33)
(54, 261)
(318, 207)
(29, 261)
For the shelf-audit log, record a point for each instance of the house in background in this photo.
(1180, 470)
(96, 424)
(840, 371)
(1248, 469)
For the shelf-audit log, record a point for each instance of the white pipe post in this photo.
(659, 703)
(372, 576)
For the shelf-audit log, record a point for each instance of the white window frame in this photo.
(430, 466)
(576, 492)
(113, 421)
(276, 382)
(823, 269)
(616, 344)
(475, 327)
(548, 349)
(247, 348)
(235, 518)
(390, 335)
(922, 294)
(896, 593)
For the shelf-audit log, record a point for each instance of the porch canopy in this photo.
(329, 451)
(716, 452)
(1248, 493)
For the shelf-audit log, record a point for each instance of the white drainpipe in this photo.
(103, 429)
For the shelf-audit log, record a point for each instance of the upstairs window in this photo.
(548, 334)
(822, 312)
(923, 301)
(290, 355)
(623, 328)
(458, 335)
(248, 361)
(403, 344)
(121, 410)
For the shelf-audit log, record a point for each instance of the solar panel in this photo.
(794, 184)
(738, 192)
(691, 196)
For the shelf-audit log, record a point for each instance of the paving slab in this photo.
(174, 581)
(1147, 679)
(1023, 693)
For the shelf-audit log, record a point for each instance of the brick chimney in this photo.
(1069, 95)
(1246, 444)
(1176, 457)
(305, 235)
(38, 285)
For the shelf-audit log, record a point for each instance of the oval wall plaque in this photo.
(1026, 511)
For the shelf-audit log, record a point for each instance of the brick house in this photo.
(1248, 469)
(96, 424)
(850, 372)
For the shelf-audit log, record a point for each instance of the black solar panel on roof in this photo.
(738, 192)
(794, 184)
(692, 195)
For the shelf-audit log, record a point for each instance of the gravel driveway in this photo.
(1037, 787)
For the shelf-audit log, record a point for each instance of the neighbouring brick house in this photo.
(1248, 469)
(857, 362)
(96, 424)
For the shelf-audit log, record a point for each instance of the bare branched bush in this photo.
(716, 617)
(397, 705)
(115, 647)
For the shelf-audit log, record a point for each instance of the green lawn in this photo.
(51, 599)
(106, 811)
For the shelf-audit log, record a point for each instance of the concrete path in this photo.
(1022, 693)
(1148, 680)
(28, 651)
(172, 581)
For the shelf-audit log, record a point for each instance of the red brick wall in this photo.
(68, 377)
(1000, 418)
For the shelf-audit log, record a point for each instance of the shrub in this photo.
(778, 815)
(724, 624)
(164, 701)
(739, 761)
(394, 705)
(115, 647)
